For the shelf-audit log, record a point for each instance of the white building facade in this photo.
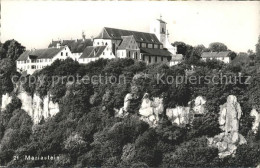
(32, 60)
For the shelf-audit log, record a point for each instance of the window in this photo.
(129, 53)
(66, 54)
(135, 55)
(155, 58)
(106, 44)
(103, 53)
(97, 43)
(143, 58)
(149, 59)
(161, 58)
(142, 39)
(102, 43)
(61, 53)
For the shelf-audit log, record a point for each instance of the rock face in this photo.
(123, 111)
(36, 107)
(256, 122)
(229, 116)
(150, 110)
(179, 115)
(6, 99)
(184, 115)
(199, 105)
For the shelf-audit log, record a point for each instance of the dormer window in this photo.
(112, 35)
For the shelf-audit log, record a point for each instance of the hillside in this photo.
(131, 115)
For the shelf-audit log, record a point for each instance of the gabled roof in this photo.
(116, 34)
(76, 46)
(215, 54)
(155, 52)
(47, 53)
(125, 43)
(92, 51)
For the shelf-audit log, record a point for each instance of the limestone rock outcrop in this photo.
(124, 110)
(229, 116)
(36, 107)
(181, 115)
(150, 110)
(199, 105)
(6, 99)
(256, 121)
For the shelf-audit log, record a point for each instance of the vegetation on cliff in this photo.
(86, 133)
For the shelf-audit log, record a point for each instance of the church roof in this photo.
(155, 52)
(76, 46)
(215, 54)
(92, 51)
(47, 53)
(116, 34)
(160, 20)
(125, 43)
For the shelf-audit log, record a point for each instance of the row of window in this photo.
(34, 61)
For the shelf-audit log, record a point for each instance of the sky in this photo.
(36, 23)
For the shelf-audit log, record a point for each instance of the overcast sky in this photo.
(36, 23)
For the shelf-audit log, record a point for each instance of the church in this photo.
(152, 47)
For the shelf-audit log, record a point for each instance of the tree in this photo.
(217, 47)
(11, 49)
(198, 50)
(257, 50)
(181, 47)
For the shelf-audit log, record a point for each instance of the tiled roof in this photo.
(177, 57)
(112, 33)
(93, 51)
(40, 53)
(76, 46)
(215, 54)
(125, 42)
(155, 52)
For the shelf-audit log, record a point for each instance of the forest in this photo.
(86, 133)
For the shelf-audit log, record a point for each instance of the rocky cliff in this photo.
(36, 107)
(151, 109)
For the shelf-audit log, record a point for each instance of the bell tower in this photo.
(158, 27)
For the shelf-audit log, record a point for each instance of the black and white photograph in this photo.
(129, 84)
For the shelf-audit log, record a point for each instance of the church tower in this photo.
(158, 27)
